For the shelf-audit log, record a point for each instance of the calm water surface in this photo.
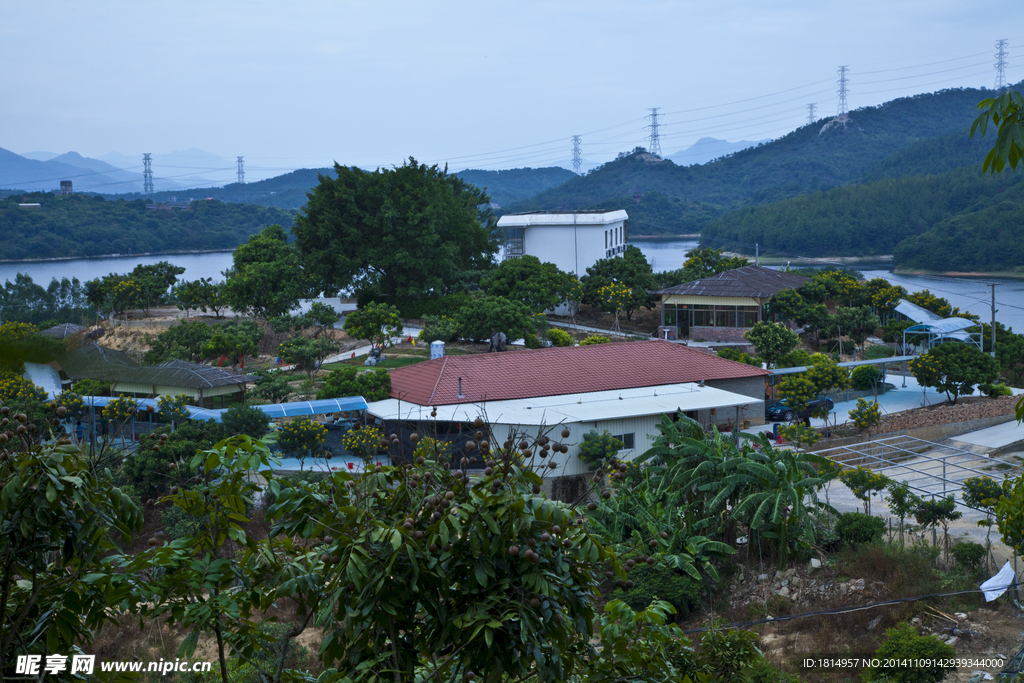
(970, 294)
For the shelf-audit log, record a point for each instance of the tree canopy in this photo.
(411, 230)
(538, 285)
(267, 280)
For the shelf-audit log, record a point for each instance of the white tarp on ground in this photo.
(999, 583)
(45, 376)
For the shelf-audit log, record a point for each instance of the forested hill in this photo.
(807, 160)
(506, 187)
(288, 191)
(82, 225)
(873, 218)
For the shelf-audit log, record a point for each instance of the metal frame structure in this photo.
(942, 330)
(922, 460)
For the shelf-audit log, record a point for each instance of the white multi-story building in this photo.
(572, 240)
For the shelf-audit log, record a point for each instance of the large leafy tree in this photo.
(413, 230)
(155, 281)
(538, 285)
(480, 318)
(201, 295)
(631, 269)
(955, 368)
(377, 322)
(266, 279)
(857, 323)
(184, 341)
(772, 340)
(305, 353)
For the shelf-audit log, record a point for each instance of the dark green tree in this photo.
(184, 341)
(306, 354)
(378, 323)
(372, 385)
(538, 285)
(955, 368)
(201, 295)
(266, 279)
(772, 340)
(631, 269)
(155, 281)
(481, 317)
(409, 231)
(248, 420)
(858, 323)
(271, 386)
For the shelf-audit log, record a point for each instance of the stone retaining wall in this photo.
(930, 433)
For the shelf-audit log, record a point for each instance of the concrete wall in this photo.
(572, 248)
(745, 386)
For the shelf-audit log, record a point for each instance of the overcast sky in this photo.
(480, 84)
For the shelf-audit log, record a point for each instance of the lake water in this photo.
(970, 294)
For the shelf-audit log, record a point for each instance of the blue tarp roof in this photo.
(327, 405)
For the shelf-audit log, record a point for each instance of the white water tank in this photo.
(436, 349)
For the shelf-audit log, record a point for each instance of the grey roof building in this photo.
(724, 306)
(206, 386)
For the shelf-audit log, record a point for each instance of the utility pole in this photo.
(811, 107)
(241, 170)
(577, 161)
(757, 254)
(1001, 63)
(842, 92)
(993, 286)
(654, 146)
(147, 174)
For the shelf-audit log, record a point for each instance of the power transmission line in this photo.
(241, 170)
(147, 174)
(810, 112)
(654, 147)
(576, 160)
(1001, 63)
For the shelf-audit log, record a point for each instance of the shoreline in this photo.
(1008, 274)
(56, 259)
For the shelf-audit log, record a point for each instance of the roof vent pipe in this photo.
(460, 388)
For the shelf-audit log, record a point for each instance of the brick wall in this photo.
(723, 334)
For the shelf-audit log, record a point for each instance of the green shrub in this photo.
(373, 385)
(248, 420)
(904, 643)
(663, 583)
(417, 308)
(559, 337)
(597, 449)
(532, 341)
(856, 527)
(795, 359)
(739, 356)
(595, 339)
(763, 672)
(995, 390)
(864, 377)
(968, 556)
(875, 352)
(439, 328)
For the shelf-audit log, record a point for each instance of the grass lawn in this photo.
(395, 359)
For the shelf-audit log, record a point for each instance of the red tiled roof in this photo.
(556, 371)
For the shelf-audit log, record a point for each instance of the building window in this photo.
(605, 239)
(725, 316)
(515, 242)
(746, 316)
(626, 440)
(703, 315)
(670, 315)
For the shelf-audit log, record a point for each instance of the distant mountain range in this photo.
(113, 173)
(709, 149)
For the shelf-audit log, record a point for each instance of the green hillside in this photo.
(286, 191)
(807, 160)
(873, 218)
(82, 225)
(517, 184)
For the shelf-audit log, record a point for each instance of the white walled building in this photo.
(573, 241)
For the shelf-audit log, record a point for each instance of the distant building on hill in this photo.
(66, 187)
